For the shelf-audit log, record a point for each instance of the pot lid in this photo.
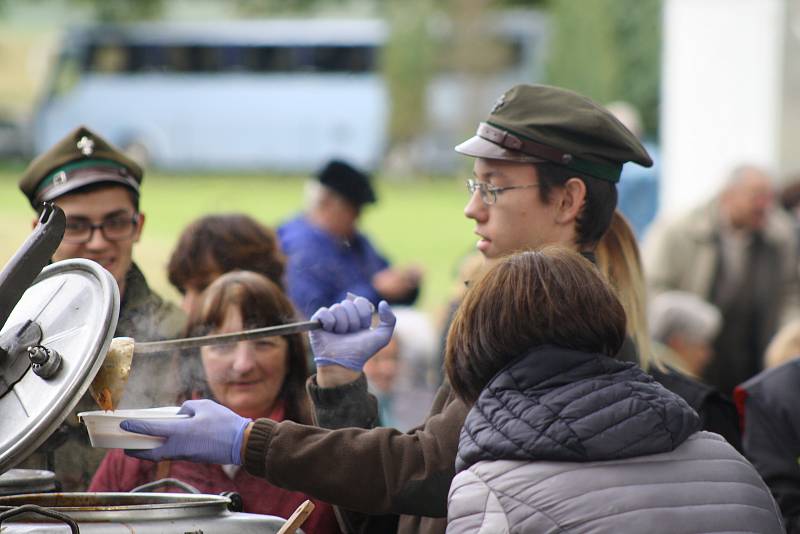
(67, 317)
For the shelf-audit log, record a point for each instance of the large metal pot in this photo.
(16, 481)
(142, 513)
(54, 333)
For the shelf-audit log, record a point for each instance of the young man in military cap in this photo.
(327, 255)
(547, 160)
(98, 188)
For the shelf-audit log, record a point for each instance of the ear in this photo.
(139, 227)
(571, 201)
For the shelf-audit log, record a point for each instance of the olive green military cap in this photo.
(81, 158)
(540, 123)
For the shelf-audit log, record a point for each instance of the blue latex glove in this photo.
(346, 338)
(213, 434)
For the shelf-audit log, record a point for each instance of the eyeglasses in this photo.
(489, 192)
(114, 228)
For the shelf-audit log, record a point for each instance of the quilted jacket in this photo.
(564, 441)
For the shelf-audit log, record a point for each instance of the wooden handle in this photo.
(298, 518)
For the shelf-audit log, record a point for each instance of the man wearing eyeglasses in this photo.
(546, 165)
(98, 188)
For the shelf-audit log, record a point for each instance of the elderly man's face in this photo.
(747, 201)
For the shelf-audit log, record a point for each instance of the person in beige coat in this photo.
(739, 253)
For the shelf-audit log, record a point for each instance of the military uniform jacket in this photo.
(144, 316)
(567, 441)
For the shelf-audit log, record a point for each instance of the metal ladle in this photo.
(109, 383)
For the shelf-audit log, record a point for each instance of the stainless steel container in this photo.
(16, 481)
(140, 513)
(53, 338)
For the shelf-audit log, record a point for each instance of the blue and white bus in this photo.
(284, 95)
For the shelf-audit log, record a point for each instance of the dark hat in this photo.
(81, 158)
(349, 182)
(539, 123)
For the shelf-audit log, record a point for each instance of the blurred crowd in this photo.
(697, 335)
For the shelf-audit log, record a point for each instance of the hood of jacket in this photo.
(564, 405)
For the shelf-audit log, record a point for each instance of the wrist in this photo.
(329, 376)
(240, 443)
(245, 439)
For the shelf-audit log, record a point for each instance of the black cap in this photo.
(349, 182)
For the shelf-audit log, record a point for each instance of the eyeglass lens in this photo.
(488, 196)
(114, 228)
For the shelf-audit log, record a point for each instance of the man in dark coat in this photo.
(768, 404)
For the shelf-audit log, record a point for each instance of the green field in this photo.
(415, 222)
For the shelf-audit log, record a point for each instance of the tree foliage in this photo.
(408, 66)
(609, 50)
(123, 10)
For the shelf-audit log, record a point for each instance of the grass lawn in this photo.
(414, 222)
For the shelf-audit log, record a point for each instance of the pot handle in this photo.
(34, 509)
(29, 260)
(188, 488)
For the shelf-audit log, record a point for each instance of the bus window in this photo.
(344, 59)
(107, 59)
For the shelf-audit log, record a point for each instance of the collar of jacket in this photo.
(565, 405)
(136, 288)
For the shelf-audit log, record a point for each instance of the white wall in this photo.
(722, 95)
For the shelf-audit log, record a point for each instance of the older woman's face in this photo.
(246, 376)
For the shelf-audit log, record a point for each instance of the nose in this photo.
(97, 240)
(243, 357)
(475, 208)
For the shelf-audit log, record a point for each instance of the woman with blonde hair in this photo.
(619, 260)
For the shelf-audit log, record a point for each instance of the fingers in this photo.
(151, 428)
(340, 315)
(353, 317)
(326, 318)
(350, 315)
(146, 454)
(385, 314)
(364, 308)
(189, 408)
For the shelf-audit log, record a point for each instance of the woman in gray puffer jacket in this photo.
(561, 437)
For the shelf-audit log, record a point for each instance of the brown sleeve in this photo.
(343, 406)
(375, 471)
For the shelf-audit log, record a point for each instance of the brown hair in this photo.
(217, 244)
(261, 303)
(619, 260)
(551, 296)
(601, 199)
